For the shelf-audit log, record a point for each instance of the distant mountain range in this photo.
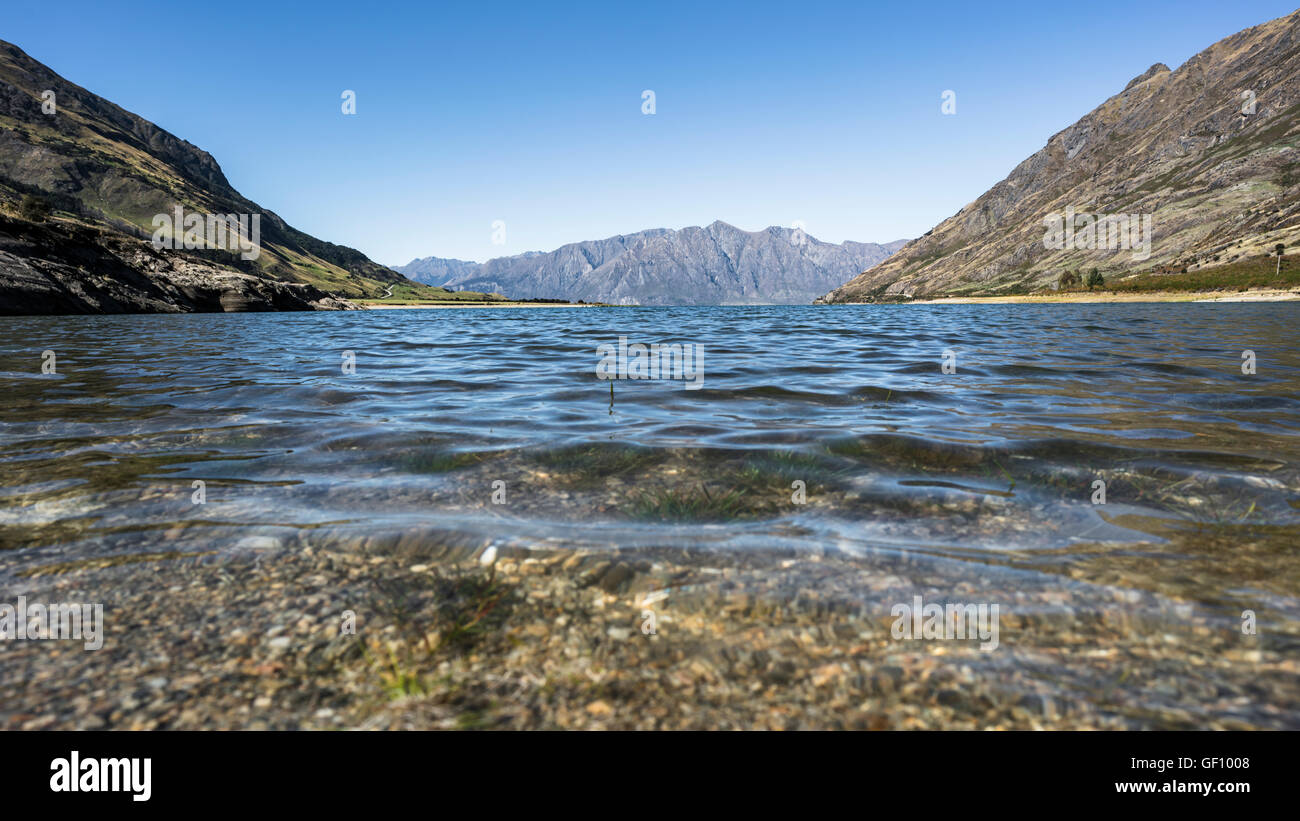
(716, 265)
(1210, 153)
(81, 181)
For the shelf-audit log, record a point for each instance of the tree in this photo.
(1278, 249)
(1067, 280)
(34, 208)
(1095, 279)
(1287, 177)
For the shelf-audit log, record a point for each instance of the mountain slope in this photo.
(99, 166)
(437, 271)
(718, 264)
(1218, 182)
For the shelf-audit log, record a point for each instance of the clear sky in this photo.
(531, 113)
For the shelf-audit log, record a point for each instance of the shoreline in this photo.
(416, 305)
(1098, 297)
(1263, 295)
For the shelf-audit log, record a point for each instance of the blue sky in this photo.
(531, 113)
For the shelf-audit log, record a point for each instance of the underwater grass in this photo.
(436, 615)
(590, 464)
(444, 461)
(691, 505)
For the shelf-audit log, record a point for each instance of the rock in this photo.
(1039, 705)
(68, 268)
(616, 578)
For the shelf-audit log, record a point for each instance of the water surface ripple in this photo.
(994, 465)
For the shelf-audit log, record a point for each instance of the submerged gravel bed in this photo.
(463, 638)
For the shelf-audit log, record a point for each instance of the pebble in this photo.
(739, 645)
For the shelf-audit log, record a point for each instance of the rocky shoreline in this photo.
(72, 268)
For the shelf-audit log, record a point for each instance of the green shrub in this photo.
(34, 208)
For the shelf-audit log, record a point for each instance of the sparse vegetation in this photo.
(1239, 275)
(592, 464)
(443, 461)
(690, 505)
(1288, 175)
(436, 616)
(34, 208)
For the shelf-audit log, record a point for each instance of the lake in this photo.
(1067, 462)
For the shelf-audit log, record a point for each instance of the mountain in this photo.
(436, 271)
(103, 175)
(716, 265)
(1208, 152)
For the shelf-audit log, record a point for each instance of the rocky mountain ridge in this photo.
(1210, 153)
(713, 265)
(81, 180)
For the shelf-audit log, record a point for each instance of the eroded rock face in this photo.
(1181, 146)
(61, 268)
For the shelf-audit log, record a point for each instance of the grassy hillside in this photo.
(1241, 275)
(97, 164)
